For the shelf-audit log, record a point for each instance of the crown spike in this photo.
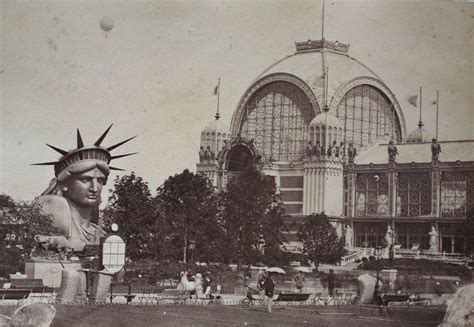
(57, 149)
(123, 155)
(102, 137)
(51, 163)
(80, 143)
(110, 148)
(115, 168)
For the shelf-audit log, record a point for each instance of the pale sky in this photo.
(154, 73)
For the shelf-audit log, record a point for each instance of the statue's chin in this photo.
(84, 203)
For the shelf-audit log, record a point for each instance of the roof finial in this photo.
(326, 87)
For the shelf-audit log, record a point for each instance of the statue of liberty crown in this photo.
(95, 152)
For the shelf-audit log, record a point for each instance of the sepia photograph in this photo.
(236, 163)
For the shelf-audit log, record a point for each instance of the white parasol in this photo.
(276, 270)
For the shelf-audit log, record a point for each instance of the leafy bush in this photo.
(155, 271)
(320, 240)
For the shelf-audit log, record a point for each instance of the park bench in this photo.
(292, 297)
(348, 298)
(396, 298)
(124, 290)
(14, 294)
(174, 295)
(35, 285)
(209, 299)
(148, 294)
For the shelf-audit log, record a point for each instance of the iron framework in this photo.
(277, 118)
(366, 115)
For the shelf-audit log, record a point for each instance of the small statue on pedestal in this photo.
(341, 150)
(201, 154)
(392, 151)
(349, 234)
(309, 150)
(351, 152)
(317, 150)
(433, 239)
(336, 149)
(435, 149)
(329, 151)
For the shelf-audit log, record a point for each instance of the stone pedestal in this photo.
(389, 276)
(100, 286)
(73, 287)
(367, 287)
(49, 271)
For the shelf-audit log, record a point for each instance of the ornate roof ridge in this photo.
(316, 45)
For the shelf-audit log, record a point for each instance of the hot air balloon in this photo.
(106, 23)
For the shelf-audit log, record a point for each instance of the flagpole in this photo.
(322, 23)
(218, 94)
(217, 117)
(420, 123)
(437, 110)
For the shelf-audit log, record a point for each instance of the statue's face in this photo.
(84, 189)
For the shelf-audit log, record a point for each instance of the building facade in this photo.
(333, 136)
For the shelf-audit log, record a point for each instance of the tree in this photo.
(251, 206)
(320, 240)
(189, 207)
(19, 223)
(131, 207)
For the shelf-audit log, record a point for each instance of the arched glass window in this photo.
(277, 118)
(366, 115)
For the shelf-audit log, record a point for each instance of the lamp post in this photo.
(377, 253)
(261, 247)
(192, 247)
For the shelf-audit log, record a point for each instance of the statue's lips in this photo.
(92, 197)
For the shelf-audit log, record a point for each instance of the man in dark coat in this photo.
(269, 287)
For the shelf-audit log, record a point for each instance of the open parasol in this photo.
(276, 270)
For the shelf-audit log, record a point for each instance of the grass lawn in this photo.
(220, 315)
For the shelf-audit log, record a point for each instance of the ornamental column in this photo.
(323, 186)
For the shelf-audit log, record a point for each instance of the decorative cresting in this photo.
(239, 114)
(317, 45)
(380, 86)
(96, 153)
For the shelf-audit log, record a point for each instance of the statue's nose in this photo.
(95, 185)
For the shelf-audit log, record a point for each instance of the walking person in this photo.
(269, 287)
(299, 279)
(207, 286)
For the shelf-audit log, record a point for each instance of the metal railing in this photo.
(346, 259)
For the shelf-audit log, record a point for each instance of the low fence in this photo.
(430, 255)
(405, 254)
(350, 258)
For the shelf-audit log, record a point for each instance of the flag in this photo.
(216, 89)
(413, 100)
